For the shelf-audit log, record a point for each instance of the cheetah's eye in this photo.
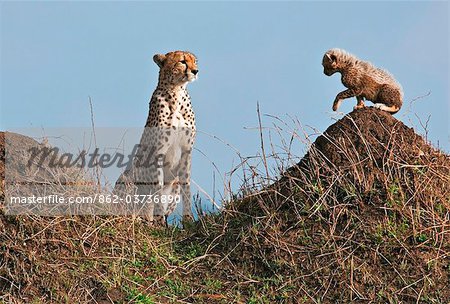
(183, 62)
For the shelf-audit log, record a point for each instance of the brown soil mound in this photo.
(374, 151)
(19, 145)
(371, 133)
(364, 217)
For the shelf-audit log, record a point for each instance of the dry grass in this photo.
(363, 218)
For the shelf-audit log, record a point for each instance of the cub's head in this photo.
(329, 63)
(177, 68)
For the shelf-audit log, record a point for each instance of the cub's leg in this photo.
(389, 99)
(343, 95)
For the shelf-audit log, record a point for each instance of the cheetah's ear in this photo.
(159, 59)
(332, 58)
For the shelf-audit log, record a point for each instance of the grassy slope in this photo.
(364, 217)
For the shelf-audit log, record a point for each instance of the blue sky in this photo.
(56, 54)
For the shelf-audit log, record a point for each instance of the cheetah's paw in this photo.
(379, 106)
(336, 104)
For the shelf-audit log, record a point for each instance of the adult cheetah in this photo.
(162, 163)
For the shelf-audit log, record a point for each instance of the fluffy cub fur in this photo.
(364, 81)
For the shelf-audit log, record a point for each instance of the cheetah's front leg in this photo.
(185, 183)
(341, 96)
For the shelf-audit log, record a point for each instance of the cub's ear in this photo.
(159, 59)
(332, 58)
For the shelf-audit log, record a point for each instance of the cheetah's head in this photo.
(177, 68)
(329, 63)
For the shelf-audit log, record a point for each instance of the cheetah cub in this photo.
(364, 81)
